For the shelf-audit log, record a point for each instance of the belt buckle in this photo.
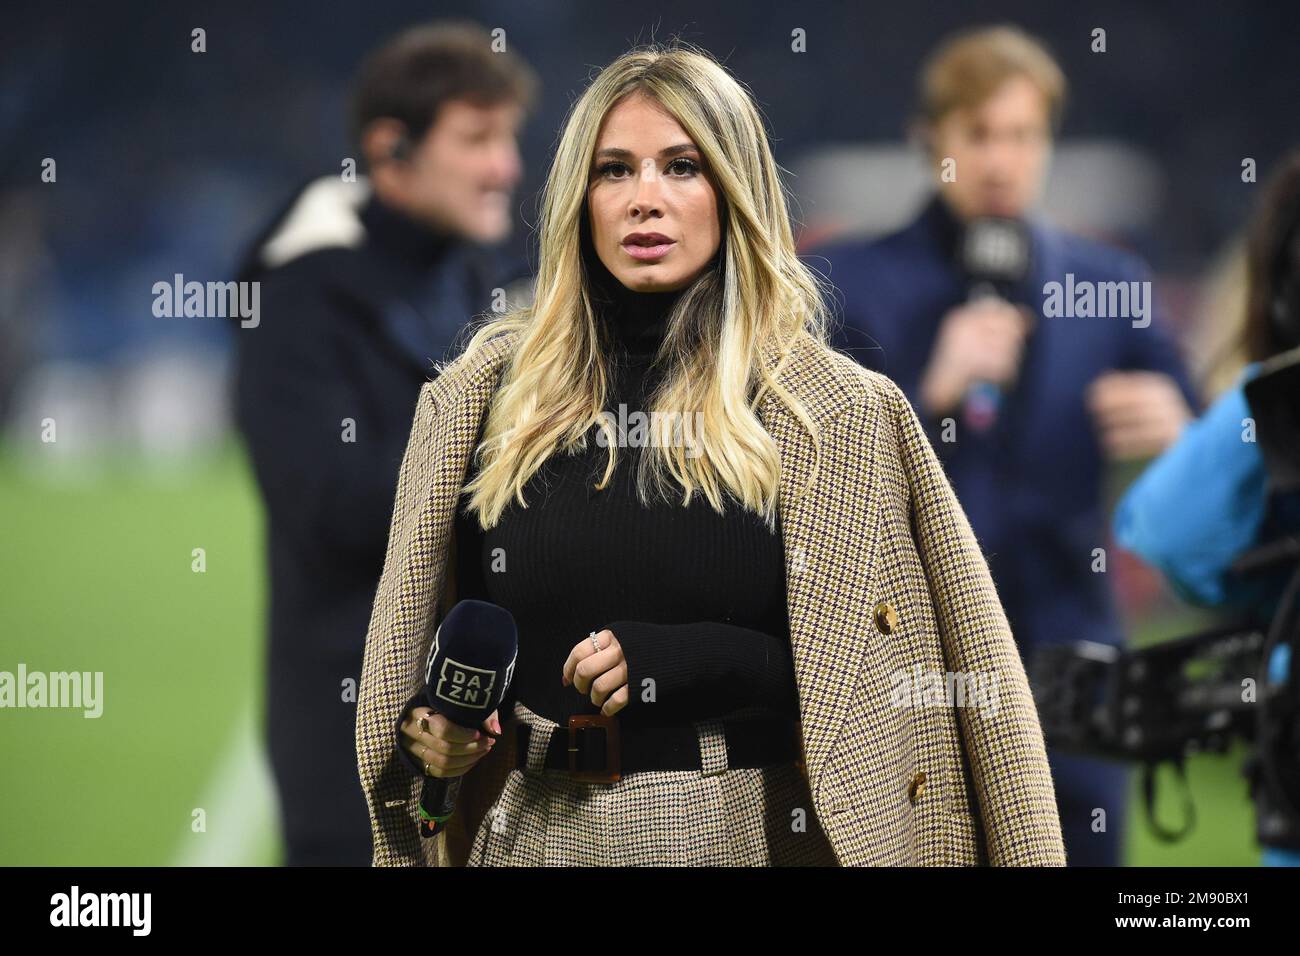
(588, 722)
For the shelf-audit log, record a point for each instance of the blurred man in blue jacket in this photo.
(364, 285)
(1028, 379)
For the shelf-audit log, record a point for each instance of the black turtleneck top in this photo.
(696, 599)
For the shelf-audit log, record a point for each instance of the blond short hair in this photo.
(965, 70)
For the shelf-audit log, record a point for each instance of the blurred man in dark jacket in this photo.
(365, 283)
(1025, 384)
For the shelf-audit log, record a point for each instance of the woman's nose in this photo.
(646, 201)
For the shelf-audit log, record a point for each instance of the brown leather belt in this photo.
(596, 749)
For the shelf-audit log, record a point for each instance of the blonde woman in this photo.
(764, 581)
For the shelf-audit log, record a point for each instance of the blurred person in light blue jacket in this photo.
(1208, 500)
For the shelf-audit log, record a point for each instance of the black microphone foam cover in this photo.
(471, 662)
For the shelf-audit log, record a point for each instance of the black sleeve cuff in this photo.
(703, 670)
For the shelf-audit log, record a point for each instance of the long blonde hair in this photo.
(729, 333)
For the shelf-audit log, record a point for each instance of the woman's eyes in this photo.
(680, 167)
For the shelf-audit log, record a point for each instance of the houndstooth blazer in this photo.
(888, 595)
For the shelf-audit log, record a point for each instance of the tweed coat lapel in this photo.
(817, 538)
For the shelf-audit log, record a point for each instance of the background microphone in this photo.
(994, 256)
(470, 666)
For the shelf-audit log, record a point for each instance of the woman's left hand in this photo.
(600, 674)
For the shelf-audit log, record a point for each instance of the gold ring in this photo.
(423, 722)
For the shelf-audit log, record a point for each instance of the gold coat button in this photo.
(915, 788)
(886, 618)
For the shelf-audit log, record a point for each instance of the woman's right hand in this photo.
(447, 749)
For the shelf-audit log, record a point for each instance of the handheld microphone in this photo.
(994, 255)
(469, 670)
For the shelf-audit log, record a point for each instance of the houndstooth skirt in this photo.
(714, 816)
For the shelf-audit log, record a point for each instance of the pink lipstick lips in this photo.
(647, 245)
